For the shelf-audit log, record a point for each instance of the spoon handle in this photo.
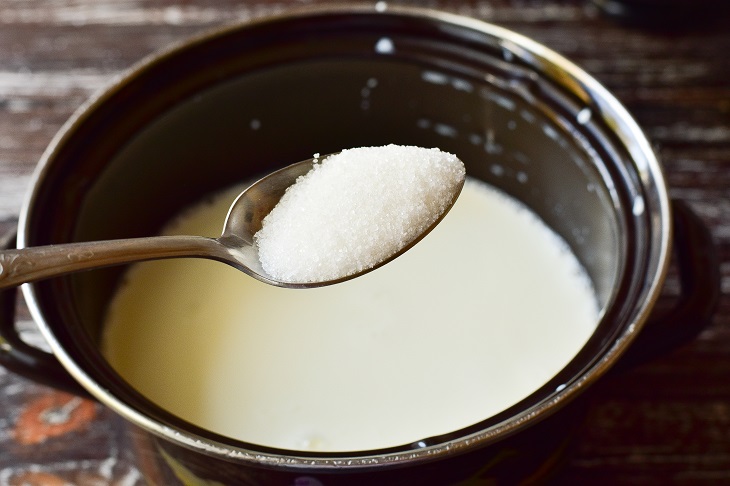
(37, 263)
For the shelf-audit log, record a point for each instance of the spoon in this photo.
(234, 247)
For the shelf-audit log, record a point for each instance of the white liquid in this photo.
(482, 312)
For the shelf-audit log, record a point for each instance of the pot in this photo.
(244, 100)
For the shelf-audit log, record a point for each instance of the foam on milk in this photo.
(355, 209)
(483, 311)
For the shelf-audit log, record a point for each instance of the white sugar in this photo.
(356, 209)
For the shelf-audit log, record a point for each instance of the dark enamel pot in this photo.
(246, 99)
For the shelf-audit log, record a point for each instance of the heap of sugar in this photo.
(355, 209)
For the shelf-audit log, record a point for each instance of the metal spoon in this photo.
(235, 246)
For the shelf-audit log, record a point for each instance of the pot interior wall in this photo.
(167, 143)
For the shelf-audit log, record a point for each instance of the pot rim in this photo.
(538, 56)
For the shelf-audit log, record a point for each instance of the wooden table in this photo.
(666, 422)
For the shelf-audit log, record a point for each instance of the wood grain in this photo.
(667, 422)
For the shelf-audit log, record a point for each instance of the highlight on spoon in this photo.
(356, 210)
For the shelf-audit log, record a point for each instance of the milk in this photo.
(478, 315)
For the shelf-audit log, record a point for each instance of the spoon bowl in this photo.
(235, 246)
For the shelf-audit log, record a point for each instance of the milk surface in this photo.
(479, 314)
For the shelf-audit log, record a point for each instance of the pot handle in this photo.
(18, 356)
(698, 267)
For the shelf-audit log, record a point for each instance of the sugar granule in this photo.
(355, 209)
